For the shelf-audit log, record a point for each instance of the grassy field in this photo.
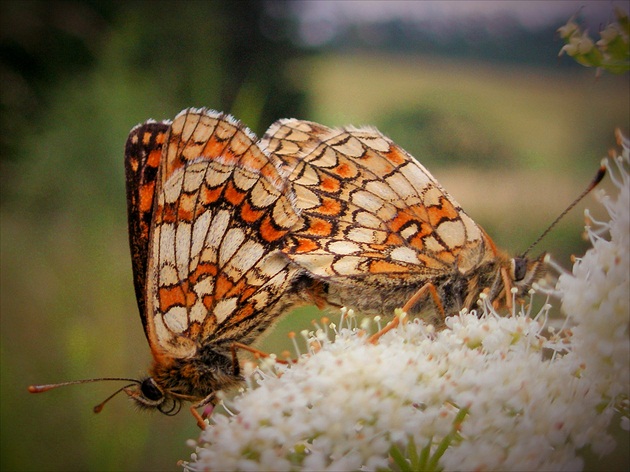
(513, 145)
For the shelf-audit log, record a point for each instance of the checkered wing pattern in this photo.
(370, 211)
(220, 210)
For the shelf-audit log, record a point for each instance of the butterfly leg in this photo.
(428, 287)
(257, 352)
(209, 400)
(507, 288)
(315, 294)
(200, 418)
(391, 325)
(420, 293)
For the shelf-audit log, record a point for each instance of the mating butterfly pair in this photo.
(228, 232)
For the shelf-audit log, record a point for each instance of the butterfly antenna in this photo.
(97, 408)
(601, 172)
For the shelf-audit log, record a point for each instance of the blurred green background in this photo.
(513, 133)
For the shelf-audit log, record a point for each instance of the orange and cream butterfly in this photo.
(208, 213)
(379, 232)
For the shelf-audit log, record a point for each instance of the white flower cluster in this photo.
(486, 393)
(595, 295)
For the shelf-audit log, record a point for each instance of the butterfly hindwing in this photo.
(369, 208)
(143, 153)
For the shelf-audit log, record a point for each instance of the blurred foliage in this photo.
(448, 139)
(139, 59)
(451, 113)
(611, 53)
(513, 144)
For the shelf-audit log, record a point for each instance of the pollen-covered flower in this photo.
(487, 392)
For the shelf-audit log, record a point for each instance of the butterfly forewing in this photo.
(215, 273)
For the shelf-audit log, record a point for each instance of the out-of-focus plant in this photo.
(611, 53)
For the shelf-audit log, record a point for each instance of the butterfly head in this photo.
(514, 277)
(523, 272)
(194, 379)
(149, 395)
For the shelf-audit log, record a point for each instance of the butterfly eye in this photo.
(519, 268)
(150, 390)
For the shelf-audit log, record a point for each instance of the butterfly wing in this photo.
(369, 209)
(143, 152)
(214, 271)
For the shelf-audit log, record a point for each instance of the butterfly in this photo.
(208, 212)
(379, 232)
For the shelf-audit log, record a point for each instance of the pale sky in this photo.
(320, 18)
